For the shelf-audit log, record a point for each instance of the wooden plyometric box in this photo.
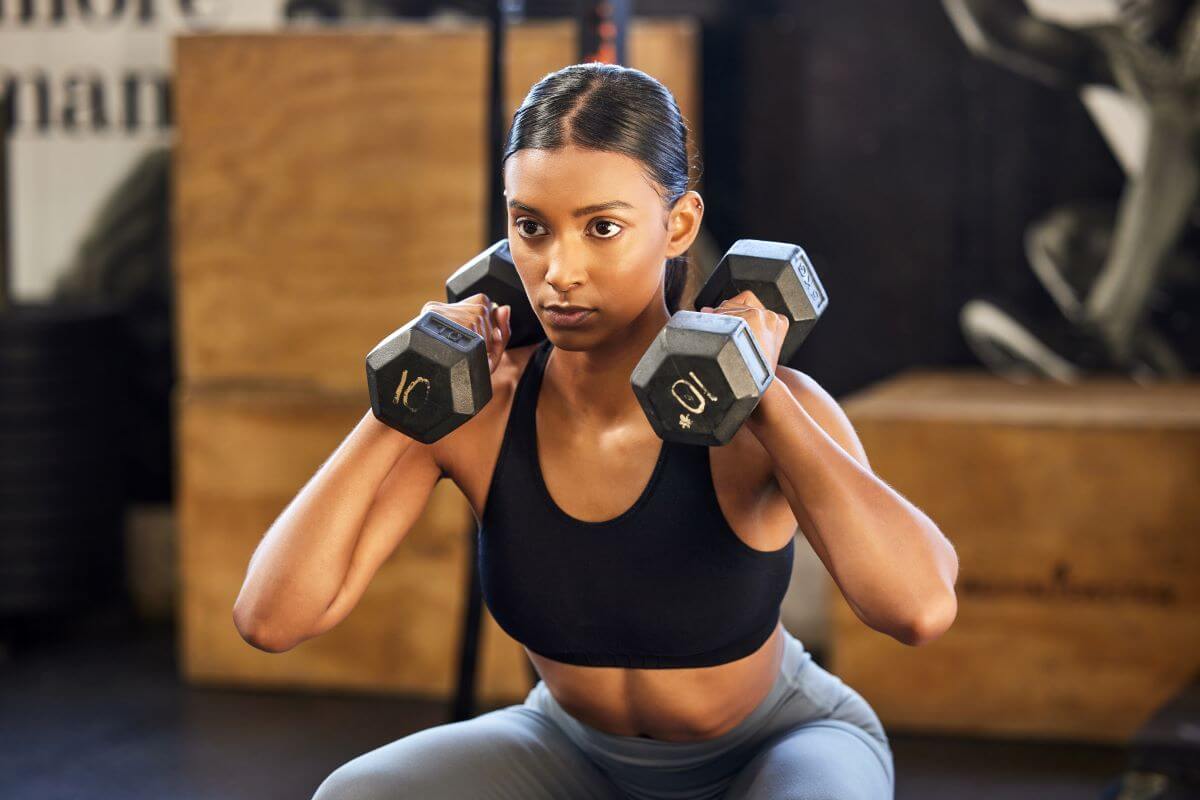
(327, 183)
(244, 453)
(1074, 512)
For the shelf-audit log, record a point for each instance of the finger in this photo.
(749, 298)
(487, 327)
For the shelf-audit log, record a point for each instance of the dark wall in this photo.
(907, 168)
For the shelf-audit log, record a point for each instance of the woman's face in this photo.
(587, 228)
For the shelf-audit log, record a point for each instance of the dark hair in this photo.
(617, 109)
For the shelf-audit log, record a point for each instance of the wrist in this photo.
(769, 406)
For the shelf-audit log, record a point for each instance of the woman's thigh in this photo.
(511, 753)
(825, 741)
(826, 759)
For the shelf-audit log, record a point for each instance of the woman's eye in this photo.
(528, 227)
(606, 229)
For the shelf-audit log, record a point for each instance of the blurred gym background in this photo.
(210, 211)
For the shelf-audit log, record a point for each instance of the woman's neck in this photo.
(593, 384)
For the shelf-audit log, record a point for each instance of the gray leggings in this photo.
(812, 737)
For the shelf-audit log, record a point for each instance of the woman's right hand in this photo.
(477, 313)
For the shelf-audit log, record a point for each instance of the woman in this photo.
(644, 578)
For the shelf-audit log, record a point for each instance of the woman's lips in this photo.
(564, 319)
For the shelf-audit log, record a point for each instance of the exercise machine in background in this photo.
(1125, 281)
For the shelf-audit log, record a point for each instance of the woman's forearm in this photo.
(893, 565)
(300, 564)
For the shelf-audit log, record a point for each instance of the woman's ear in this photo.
(683, 223)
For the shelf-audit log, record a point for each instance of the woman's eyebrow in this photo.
(579, 212)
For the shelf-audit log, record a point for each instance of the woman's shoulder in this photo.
(513, 362)
(472, 438)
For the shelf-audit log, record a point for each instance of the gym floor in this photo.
(99, 712)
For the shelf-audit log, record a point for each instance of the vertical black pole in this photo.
(602, 29)
(5, 252)
(495, 227)
(499, 12)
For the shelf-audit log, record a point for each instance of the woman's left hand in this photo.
(769, 327)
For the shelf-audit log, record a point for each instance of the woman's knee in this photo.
(514, 749)
(824, 760)
(351, 782)
(421, 764)
(386, 773)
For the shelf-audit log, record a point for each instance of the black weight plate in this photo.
(50, 550)
(73, 467)
(32, 598)
(79, 566)
(85, 503)
(37, 555)
(51, 559)
(62, 463)
(101, 350)
(101, 494)
(105, 429)
(99, 437)
(86, 377)
(61, 414)
(14, 420)
(96, 359)
(62, 566)
(54, 569)
(68, 384)
(55, 519)
(97, 562)
(70, 469)
(18, 402)
(86, 537)
(59, 322)
(32, 593)
(51, 418)
(45, 555)
(75, 369)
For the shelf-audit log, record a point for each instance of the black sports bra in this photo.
(667, 583)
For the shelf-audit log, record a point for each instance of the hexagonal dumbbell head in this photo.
(493, 273)
(701, 378)
(780, 275)
(428, 377)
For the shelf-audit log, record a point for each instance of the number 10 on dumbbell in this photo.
(699, 380)
(704, 374)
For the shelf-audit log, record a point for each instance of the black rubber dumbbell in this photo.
(493, 273)
(704, 374)
(430, 376)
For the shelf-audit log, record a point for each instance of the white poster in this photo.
(88, 89)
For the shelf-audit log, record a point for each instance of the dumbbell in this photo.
(704, 374)
(431, 375)
(493, 273)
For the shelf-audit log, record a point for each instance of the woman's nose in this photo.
(565, 269)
